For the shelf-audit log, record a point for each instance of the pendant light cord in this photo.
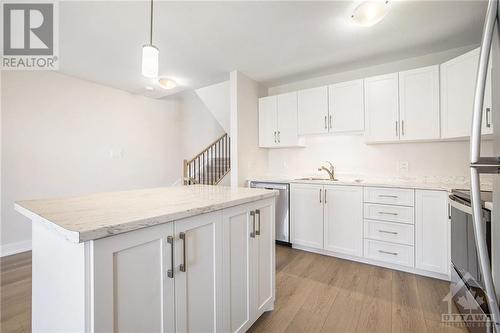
(151, 27)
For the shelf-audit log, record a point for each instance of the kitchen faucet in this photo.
(331, 171)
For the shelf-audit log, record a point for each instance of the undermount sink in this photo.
(317, 178)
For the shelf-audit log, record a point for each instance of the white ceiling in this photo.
(272, 42)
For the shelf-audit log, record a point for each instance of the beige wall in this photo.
(63, 136)
(352, 156)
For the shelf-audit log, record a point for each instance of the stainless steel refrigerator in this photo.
(481, 165)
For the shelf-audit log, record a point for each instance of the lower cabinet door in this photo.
(237, 256)
(248, 264)
(432, 231)
(198, 273)
(263, 256)
(344, 219)
(132, 290)
(306, 212)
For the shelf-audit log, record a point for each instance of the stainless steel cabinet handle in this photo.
(488, 120)
(275, 141)
(387, 196)
(183, 266)
(402, 127)
(388, 232)
(252, 234)
(257, 213)
(320, 194)
(325, 195)
(279, 139)
(387, 252)
(388, 213)
(397, 128)
(330, 121)
(326, 126)
(170, 272)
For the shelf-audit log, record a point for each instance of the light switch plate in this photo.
(403, 166)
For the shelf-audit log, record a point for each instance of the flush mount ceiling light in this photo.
(150, 54)
(369, 13)
(167, 83)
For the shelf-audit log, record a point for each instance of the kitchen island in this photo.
(190, 258)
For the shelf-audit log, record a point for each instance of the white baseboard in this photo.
(13, 248)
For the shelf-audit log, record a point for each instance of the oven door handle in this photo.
(460, 207)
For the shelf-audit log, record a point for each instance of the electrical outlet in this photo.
(403, 166)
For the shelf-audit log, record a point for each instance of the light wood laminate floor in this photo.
(315, 293)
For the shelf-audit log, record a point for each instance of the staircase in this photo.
(210, 165)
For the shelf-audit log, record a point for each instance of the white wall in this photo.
(251, 159)
(197, 127)
(216, 99)
(352, 156)
(63, 136)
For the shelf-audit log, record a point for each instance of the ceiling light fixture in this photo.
(167, 83)
(150, 54)
(371, 12)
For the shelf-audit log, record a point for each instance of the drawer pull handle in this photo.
(388, 232)
(387, 196)
(257, 213)
(387, 252)
(388, 213)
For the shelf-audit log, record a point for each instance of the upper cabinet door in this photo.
(382, 108)
(346, 106)
(458, 79)
(419, 103)
(313, 111)
(287, 120)
(268, 121)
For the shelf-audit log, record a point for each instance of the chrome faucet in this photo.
(331, 170)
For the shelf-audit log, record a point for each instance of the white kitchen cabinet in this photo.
(278, 121)
(382, 108)
(313, 117)
(346, 106)
(132, 291)
(458, 79)
(419, 104)
(199, 278)
(343, 219)
(307, 215)
(432, 239)
(249, 256)
(268, 121)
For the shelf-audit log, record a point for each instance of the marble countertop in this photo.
(95, 216)
(425, 183)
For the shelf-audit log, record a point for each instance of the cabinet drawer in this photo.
(391, 196)
(388, 252)
(389, 213)
(389, 232)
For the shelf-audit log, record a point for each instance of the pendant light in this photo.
(150, 54)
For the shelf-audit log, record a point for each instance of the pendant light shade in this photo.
(150, 61)
(150, 54)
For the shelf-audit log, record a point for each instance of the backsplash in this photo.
(426, 162)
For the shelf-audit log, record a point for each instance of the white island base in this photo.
(213, 272)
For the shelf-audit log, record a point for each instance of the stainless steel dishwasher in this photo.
(282, 209)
